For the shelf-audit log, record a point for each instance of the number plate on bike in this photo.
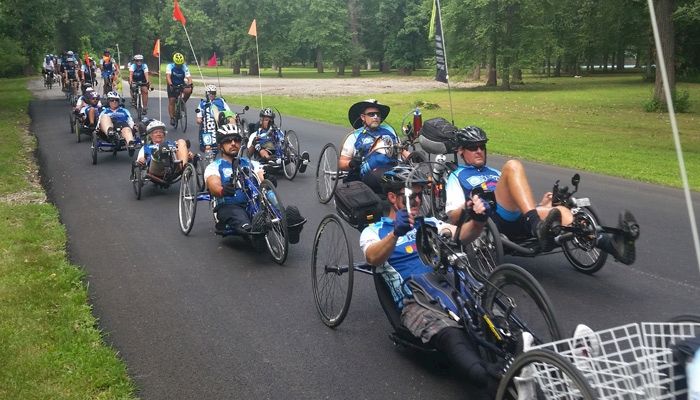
(583, 202)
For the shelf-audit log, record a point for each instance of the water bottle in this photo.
(692, 371)
(417, 122)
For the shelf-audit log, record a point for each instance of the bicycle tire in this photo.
(581, 251)
(187, 206)
(93, 149)
(276, 236)
(201, 166)
(139, 105)
(562, 380)
(486, 250)
(177, 114)
(535, 312)
(331, 271)
(290, 159)
(78, 128)
(183, 115)
(694, 318)
(327, 168)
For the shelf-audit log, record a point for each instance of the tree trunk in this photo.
(319, 60)
(341, 69)
(236, 66)
(476, 73)
(492, 78)
(621, 60)
(557, 68)
(353, 13)
(517, 76)
(386, 67)
(279, 71)
(549, 67)
(253, 67)
(664, 18)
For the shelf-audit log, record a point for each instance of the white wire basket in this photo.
(629, 362)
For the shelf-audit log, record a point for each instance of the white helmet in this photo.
(210, 89)
(113, 95)
(153, 125)
(138, 57)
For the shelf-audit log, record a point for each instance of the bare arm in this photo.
(214, 185)
(344, 163)
(377, 253)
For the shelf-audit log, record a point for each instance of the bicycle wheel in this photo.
(332, 271)
(139, 105)
(551, 376)
(327, 173)
(276, 236)
(290, 160)
(517, 303)
(581, 251)
(138, 179)
(177, 114)
(183, 115)
(201, 166)
(486, 251)
(187, 207)
(93, 148)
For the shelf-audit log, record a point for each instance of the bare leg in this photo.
(127, 134)
(105, 125)
(171, 107)
(186, 93)
(144, 95)
(183, 154)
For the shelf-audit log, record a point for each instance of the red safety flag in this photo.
(253, 31)
(178, 15)
(156, 49)
(87, 59)
(212, 61)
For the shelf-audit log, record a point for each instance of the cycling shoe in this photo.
(544, 228)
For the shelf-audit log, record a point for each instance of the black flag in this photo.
(440, 61)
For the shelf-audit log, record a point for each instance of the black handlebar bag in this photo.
(438, 136)
(357, 204)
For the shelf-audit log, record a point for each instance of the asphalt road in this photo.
(201, 317)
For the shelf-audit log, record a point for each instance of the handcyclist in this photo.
(91, 110)
(358, 152)
(261, 142)
(159, 148)
(230, 200)
(109, 71)
(390, 245)
(516, 212)
(138, 74)
(179, 79)
(115, 116)
(217, 113)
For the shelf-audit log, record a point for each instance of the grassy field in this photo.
(593, 123)
(50, 346)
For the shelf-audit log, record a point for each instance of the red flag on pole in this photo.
(177, 14)
(156, 49)
(212, 61)
(253, 31)
(87, 59)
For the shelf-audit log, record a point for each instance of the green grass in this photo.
(50, 346)
(593, 124)
(290, 72)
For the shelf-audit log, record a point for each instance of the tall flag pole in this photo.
(441, 72)
(179, 16)
(674, 128)
(156, 53)
(253, 31)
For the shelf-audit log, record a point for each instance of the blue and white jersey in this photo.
(361, 141)
(464, 179)
(107, 68)
(85, 109)
(177, 74)
(140, 72)
(404, 261)
(121, 115)
(224, 170)
(147, 150)
(213, 107)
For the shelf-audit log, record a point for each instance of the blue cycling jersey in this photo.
(225, 171)
(151, 147)
(120, 115)
(177, 74)
(139, 72)
(364, 139)
(107, 69)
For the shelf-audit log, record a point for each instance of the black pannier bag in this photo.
(357, 204)
(295, 223)
(438, 136)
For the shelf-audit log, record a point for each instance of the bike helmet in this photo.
(70, 53)
(138, 57)
(227, 133)
(395, 179)
(70, 59)
(93, 96)
(470, 135)
(178, 58)
(113, 95)
(210, 89)
(153, 125)
(267, 112)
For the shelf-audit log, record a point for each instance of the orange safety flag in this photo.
(253, 31)
(156, 48)
(87, 59)
(212, 61)
(178, 15)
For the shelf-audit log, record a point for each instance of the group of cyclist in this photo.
(390, 244)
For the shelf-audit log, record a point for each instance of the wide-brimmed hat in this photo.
(360, 107)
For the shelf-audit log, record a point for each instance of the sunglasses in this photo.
(373, 114)
(111, 100)
(475, 147)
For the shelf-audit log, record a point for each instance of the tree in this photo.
(664, 12)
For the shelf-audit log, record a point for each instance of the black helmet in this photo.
(470, 135)
(267, 112)
(226, 133)
(395, 179)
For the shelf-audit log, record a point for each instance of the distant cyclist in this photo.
(218, 113)
(109, 71)
(179, 80)
(138, 74)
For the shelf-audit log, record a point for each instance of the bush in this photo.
(681, 103)
(12, 63)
